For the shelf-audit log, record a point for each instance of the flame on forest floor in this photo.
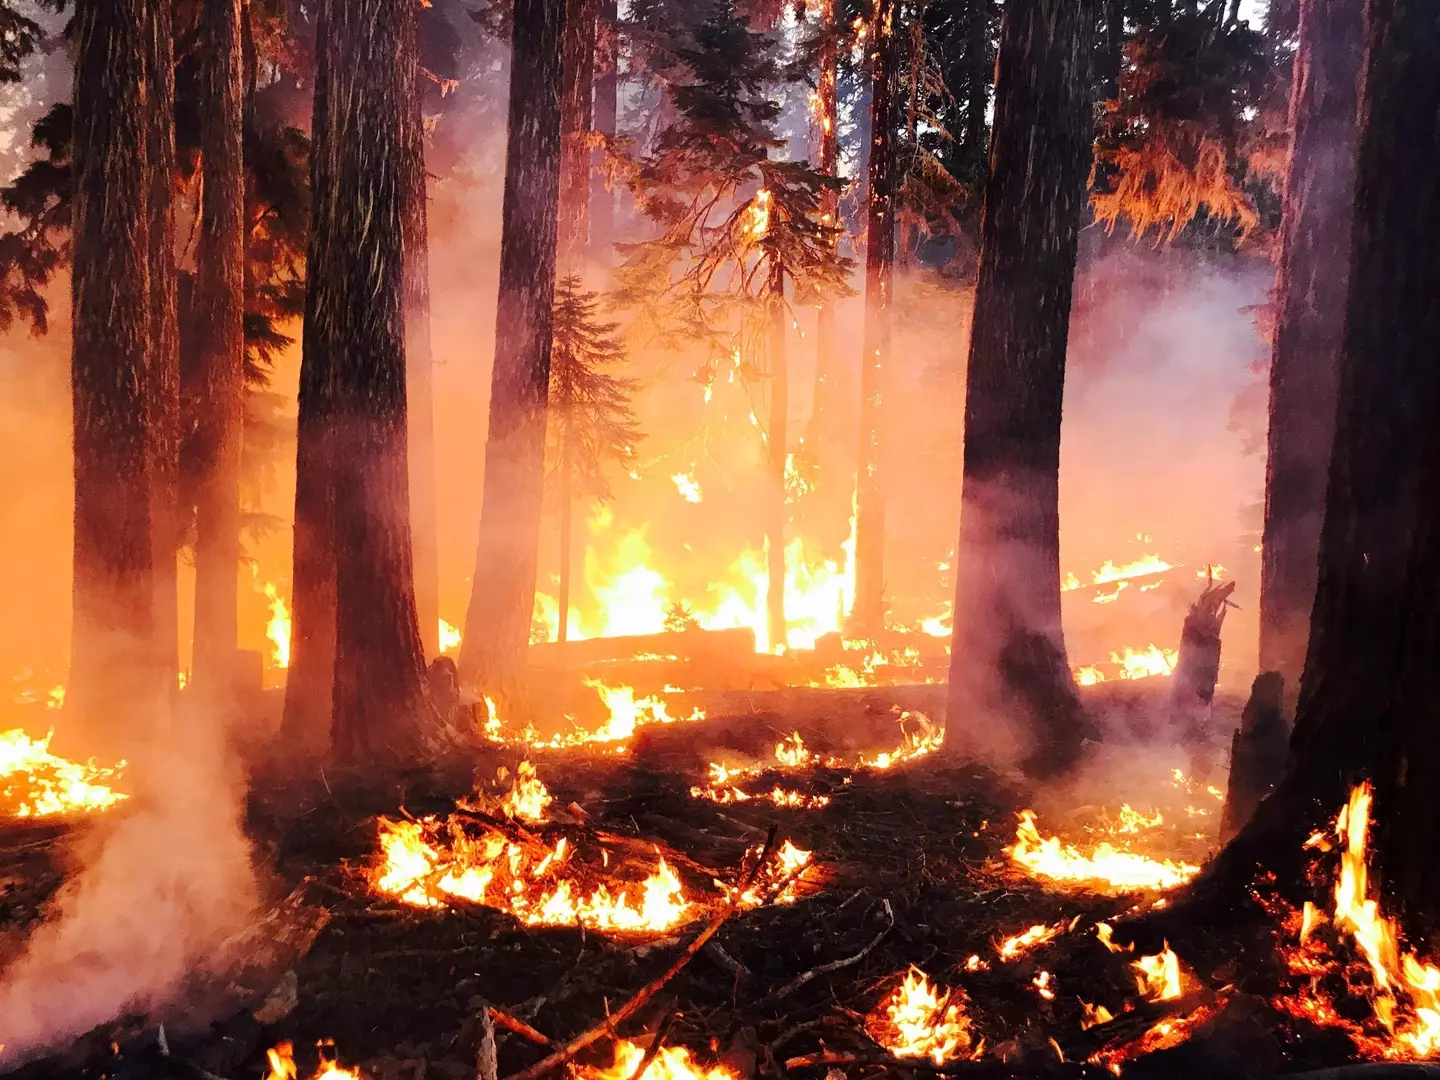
(1401, 990)
(36, 783)
(1109, 572)
(448, 636)
(1133, 663)
(873, 667)
(918, 1020)
(1104, 866)
(722, 781)
(627, 715)
(277, 630)
(528, 796)
(281, 1061)
(671, 1063)
(1018, 945)
(1158, 977)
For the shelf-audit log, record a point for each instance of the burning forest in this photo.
(711, 540)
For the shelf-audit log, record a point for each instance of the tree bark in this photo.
(1312, 284)
(820, 430)
(1368, 693)
(578, 80)
(775, 488)
(977, 95)
(220, 332)
(497, 624)
(606, 110)
(1010, 683)
(419, 355)
(305, 723)
(114, 685)
(164, 363)
(567, 510)
(868, 617)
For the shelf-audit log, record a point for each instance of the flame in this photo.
(687, 486)
(1094, 1015)
(1146, 564)
(282, 1062)
(1014, 947)
(36, 783)
(278, 628)
(281, 1059)
(938, 625)
(1044, 985)
(671, 1063)
(1137, 664)
(528, 797)
(627, 714)
(792, 753)
(1089, 675)
(1403, 991)
(756, 220)
(922, 1021)
(1051, 858)
(449, 637)
(1158, 977)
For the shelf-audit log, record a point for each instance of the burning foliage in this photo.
(37, 783)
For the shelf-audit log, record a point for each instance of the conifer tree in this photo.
(592, 424)
(743, 226)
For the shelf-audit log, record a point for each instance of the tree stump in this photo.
(1257, 753)
(1196, 671)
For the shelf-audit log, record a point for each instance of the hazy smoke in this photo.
(157, 892)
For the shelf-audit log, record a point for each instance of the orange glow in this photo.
(922, 1021)
(1103, 865)
(671, 1063)
(36, 783)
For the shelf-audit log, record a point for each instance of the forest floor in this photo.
(909, 869)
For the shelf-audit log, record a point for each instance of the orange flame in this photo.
(36, 783)
(278, 628)
(671, 1063)
(922, 1021)
(1051, 858)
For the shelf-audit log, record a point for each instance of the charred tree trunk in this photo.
(497, 624)
(578, 64)
(606, 111)
(113, 684)
(1257, 753)
(868, 617)
(1008, 655)
(164, 363)
(419, 355)
(220, 330)
(305, 723)
(1368, 694)
(820, 430)
(778, 440)
(567, 510)
(977, 96)
(1304, 367)
(1197, 671)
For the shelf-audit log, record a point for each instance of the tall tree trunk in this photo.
(1368, 696)
(305, 723)
(497, 624)
(419, 355)
(979, 74)
(357, 266)
(164, 363)
(567, 528)
(1304, 368)
(606, 109)
(113, 662)
(220, 329)
(577, 82)
(1009, 677)
(820, 430)
(778, 440)
(869, 613)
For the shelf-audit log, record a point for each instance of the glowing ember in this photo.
(1403, 992)
(1044, 984)
(449, 638)
(36, 783)
(1013, 947)
(687, 486)
(278, 628)
(671, 1063)
(921, 1021)
(1105, 866)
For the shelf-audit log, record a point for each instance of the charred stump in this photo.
(1257, 753)
(1197, 669)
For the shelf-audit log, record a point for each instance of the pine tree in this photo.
(497, 623)
(592, 424)
(743, 226)
(576, 116)
(1007, 659)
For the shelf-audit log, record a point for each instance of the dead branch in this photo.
(518, 1026)
(487, 1065)
(650, 989)
(834, 965)
(656, 1044)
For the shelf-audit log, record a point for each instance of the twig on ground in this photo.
(650, 989)
(656, 1044)
(518, 1026)
(835, 965)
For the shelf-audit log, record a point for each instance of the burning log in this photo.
(1257, 753)
(1197, 669)
(721, 648)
